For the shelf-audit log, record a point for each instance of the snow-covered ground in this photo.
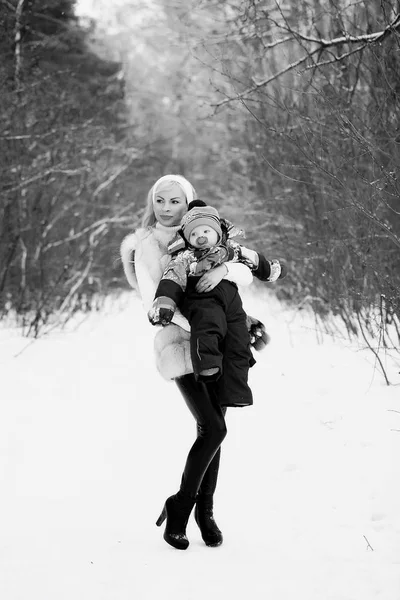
(92, 441)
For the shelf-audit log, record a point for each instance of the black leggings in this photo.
(202, 464)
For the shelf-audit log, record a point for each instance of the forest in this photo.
(284, 115)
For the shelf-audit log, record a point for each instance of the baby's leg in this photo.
(207, 330)
(233, 387)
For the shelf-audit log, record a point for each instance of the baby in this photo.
(219, 333)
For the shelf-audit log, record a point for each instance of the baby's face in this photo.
(203, 236)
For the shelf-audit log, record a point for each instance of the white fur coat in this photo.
(143, 270)
(144, 258)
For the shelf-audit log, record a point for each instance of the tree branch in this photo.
(26, 182)
(351, 39)
(353, 201)
(108, 181)
(17, 40)
(256, 86)
(322, 44)
(100, 223)
(336, 58)
(8, 5)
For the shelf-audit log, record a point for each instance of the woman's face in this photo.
(169, 205)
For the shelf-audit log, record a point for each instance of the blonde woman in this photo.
(144, 256)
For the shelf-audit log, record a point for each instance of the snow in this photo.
(92, 441)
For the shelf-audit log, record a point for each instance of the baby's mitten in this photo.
(278, 270)
(162, 311)
(259, 338)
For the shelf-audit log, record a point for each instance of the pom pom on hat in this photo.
(201, 215)
(195, 203)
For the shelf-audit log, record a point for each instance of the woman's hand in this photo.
(211, 279)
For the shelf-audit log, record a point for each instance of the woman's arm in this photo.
(238, 273)
(263, 269)
(142, 267)
(232, 271)
(269, 270)
(136, 269)
(146, 285)
(127, 251)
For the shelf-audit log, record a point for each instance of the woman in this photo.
(144, 257)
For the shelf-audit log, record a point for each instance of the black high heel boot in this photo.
(203, 514)
(176, 510)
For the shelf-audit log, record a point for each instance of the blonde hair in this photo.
(149, 218)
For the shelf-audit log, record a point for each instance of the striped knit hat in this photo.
(201, 215)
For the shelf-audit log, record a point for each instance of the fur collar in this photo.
(149, 245)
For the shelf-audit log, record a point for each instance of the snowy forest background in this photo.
(285, 115)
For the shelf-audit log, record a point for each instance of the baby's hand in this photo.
(211, 279)
(162, 311)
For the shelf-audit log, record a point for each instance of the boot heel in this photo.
(162, 517)
(176, 510)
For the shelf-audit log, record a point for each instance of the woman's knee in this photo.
(215, 431)
(222, 431)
